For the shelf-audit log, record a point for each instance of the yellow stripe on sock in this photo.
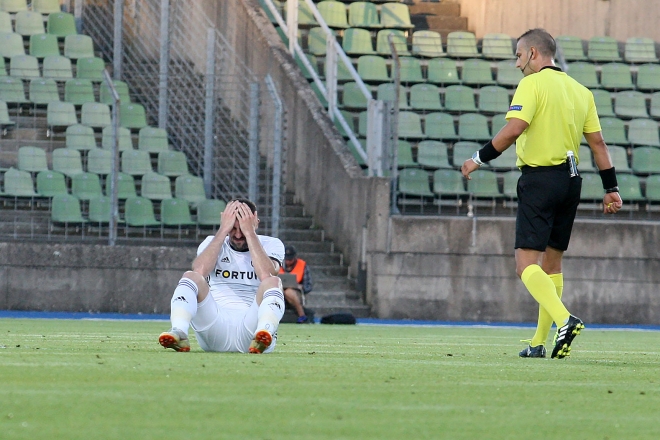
(545, 320)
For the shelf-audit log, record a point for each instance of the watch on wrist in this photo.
(614, 189)
(476, 159)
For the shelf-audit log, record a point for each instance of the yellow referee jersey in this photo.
(558, 110)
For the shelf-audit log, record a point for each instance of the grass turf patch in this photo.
(72, 379)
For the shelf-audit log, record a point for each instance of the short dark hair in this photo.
(248, 202)
(541, 40)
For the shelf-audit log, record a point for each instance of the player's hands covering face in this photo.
(228, 216)
(246, 219)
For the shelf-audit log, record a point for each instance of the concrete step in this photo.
(433, 8)
(304, 247)
(287, 235)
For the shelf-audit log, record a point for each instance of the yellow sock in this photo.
(545, 320)
(541, 287)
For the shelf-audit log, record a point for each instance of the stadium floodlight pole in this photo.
(117, 48)
(209, 111)
(277, 157)
(164, 62)
(114, 167)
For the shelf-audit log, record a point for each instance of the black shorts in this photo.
(547, 203)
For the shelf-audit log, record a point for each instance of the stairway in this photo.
(332, 290)
(442, 17)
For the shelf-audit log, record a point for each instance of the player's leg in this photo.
(291, 296)
(270, 302)
(191, 289)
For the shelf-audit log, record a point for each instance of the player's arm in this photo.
(611, 200)
(207, 259)
(264, 266)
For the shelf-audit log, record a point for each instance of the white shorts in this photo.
(226, 330)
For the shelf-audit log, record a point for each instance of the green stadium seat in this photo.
(11, 44)
(592, 187)
(139, 212)
(132, 115)
(619, 157)
(603, 100)
(404, 155)
(175, 212)
(343, 74)
(427, 44)
(352, 96)
(655, 105)
(425, 97)
(18, 183)
(24, 67)
(43, 91)
(653, 188)
(440, 126)
(477, 72)
(461, 44)
(99, 161)
(410, 126)
(32, 159)
(507, 161)
(95, 115)
(172, 163)
(155, 186)
(80, 137)
(463, 150)
(125, 186)
(29, 23)
(57, 67)
(79, 91)
(305, 16)
(411, 70)
(357, 41)
(61, 24)
(585, 159)
(616, 76)
(86, 186)
(603, 49)
(125, 140)
(5, 23)
(153, 139)
(90, 68)
(442, 71)
(414, 182)
(61, 114)
(78, 46)
(460, 99)
(334, 14)
(449, 182)
(493, 99)
(99, 210)
(395, 15)
(473, 127)
(484, 184)
(66, 209)
(498, 122)
(387, 92)
(305, 71)
(316, 41)
(372, 68)
(3, 68)
(209, 211)
(507, 74)
(51, 183)
(584, 73)
(510, 183)
(46, 6)
(350, 120)
(5, 121)
(12, 90)
(433, 154)
(643, 131)
(67, 161)
(570, 47)
(398, 39)
(497, 46)
(630, 104)
(648, 77)
(43, 45)
(135, 162)
(14, 5)
(614, 131)
(646, 160)
(640, 50)
(190, 188)
(363, 15)
(629, 187)
(106, 95)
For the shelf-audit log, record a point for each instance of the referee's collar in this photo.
(555, 68)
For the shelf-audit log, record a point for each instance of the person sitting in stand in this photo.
(293, 295)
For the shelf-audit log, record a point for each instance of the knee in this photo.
(271, 282)
(196, 278)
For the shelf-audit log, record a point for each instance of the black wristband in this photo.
(608, 177)
(488, 152)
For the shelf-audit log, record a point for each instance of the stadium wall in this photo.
(620, 19)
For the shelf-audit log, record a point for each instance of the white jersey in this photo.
(233, 282)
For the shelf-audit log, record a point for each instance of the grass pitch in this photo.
(67, 379)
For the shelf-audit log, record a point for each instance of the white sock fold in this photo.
(183, 306)
(271, 311)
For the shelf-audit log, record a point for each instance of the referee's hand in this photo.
(612, 203)
(468, 166)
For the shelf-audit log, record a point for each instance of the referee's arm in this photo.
(611, 200)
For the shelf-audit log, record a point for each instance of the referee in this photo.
(548, 115)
